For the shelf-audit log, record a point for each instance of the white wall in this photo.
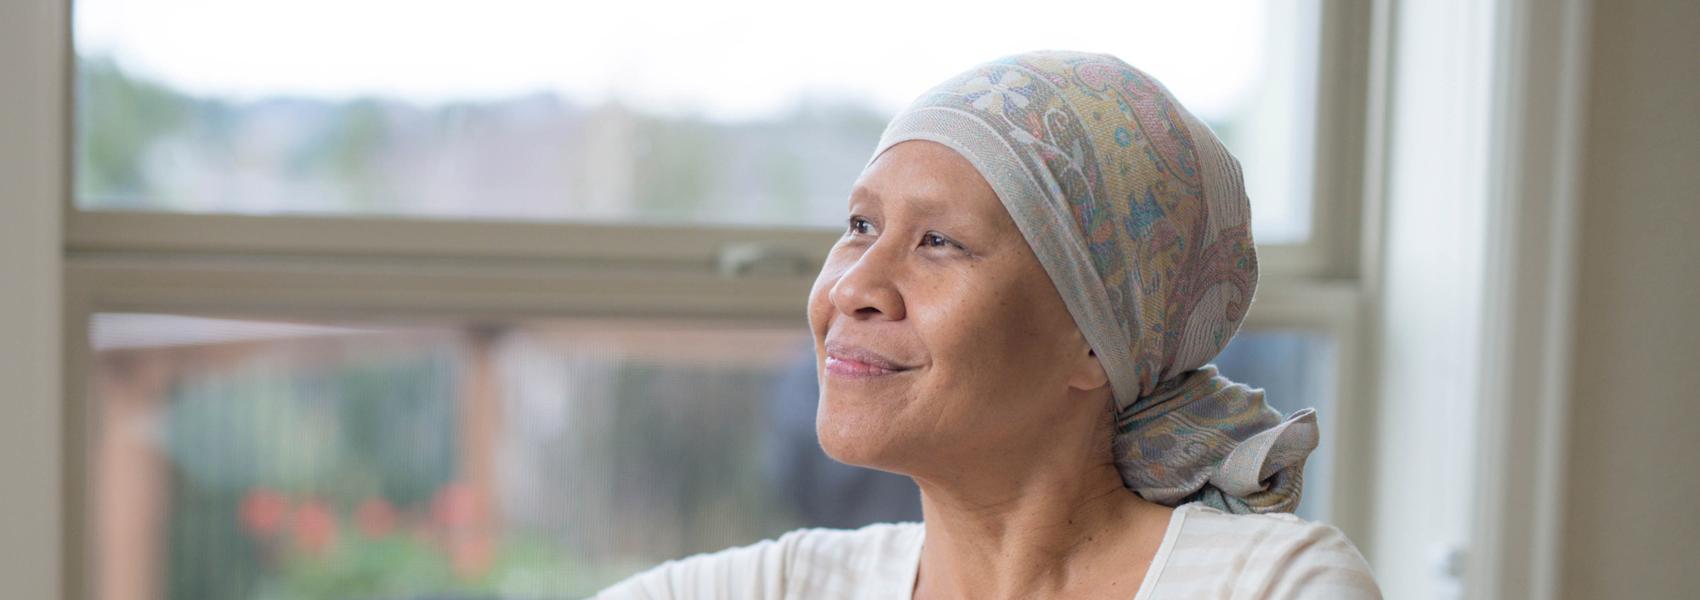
(30, 189)
(1631, 524)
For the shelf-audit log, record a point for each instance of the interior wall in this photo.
(1630, 525)
(30, 255)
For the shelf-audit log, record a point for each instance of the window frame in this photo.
(311, 267)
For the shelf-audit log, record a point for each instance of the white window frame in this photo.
(1524, 404)
(345, 267)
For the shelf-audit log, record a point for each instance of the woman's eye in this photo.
(861, 225)
(934, 240)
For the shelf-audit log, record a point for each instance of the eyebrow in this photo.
(922, 204)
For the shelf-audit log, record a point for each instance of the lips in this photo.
(850, 360)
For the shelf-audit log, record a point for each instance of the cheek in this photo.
(975, 324)
(820, 302)
(1001, 343)
(850, 431)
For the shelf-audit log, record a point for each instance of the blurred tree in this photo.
(118, 117)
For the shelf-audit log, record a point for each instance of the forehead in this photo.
(926, 177)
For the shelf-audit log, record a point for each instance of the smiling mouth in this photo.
(850, 361)
(855, 369)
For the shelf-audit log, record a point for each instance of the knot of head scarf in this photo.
(1139, 215)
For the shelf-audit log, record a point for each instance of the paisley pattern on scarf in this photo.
(1139, 216)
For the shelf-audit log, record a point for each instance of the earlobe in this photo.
(1090, 375)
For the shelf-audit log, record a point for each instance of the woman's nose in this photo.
(867, 289)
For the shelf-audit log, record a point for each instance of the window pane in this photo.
(748, 111)
(251, 459)
(256, 459)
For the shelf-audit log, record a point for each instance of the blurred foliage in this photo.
(144, 145)
(398, 566)
(372, 428)
(118, 117)
(352, 145)
(383, 427)
(678, 163)
(321, 471)
(703, 494)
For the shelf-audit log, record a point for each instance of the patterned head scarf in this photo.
(1139, 216)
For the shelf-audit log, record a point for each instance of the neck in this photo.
(1052, 522)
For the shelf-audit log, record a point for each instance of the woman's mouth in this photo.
(845, 360)
(846, 367)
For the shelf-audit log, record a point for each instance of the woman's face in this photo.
(938, 336)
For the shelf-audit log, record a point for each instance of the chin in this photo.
(861, 436)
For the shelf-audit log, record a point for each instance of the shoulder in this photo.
(1263, 555)
(812, 563)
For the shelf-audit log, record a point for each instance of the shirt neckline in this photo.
(1161, 560)
(1158, 561)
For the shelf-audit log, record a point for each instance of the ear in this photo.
(1087, 373)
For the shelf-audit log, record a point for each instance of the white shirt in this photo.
(1206, 553)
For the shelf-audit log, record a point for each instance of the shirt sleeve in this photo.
(1317, 562)
(1265, 556)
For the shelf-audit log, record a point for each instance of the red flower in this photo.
(375, 517)
(263, 512)
(472, 555)
(456, 505)
(315, 526)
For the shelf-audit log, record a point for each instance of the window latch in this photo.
(764, 260)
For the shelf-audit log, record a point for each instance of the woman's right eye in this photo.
(861, 226)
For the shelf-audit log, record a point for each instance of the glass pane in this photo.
(537, 459)
(248, 459)
(746, 111)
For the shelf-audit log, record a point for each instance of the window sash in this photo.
(722, 249)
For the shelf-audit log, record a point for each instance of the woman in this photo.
(1038, 262)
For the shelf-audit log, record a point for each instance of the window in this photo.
(355, 310)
